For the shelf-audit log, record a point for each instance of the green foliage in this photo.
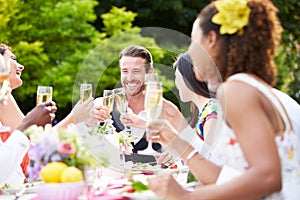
(180, 14)
(290, 17)
(117, 20)
(138, 185)
(32, 54)
(51, 39)
(7, 12)
(173, 14)
(289, 54)
(101, 66)
(59, 46)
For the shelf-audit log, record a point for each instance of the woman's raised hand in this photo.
(162, 128)
(132, 120)
(83, 111)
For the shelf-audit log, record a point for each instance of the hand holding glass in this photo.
(153, 107)
(85, 91)
(44, 94)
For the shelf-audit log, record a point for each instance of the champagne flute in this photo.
(4, 76)
(108, 99)
(44, 94)
(85, 91)
(121, 103)
(151, 77)
(153, 101)
(108, 102)
(152, 105)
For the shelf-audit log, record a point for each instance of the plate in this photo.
(145, 195)
(29, 188)
(141, 168)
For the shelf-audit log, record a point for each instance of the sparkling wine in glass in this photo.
(151, 77)
(108, 99)
(153, 100)
(44, 94)
(108, 102)
(121, 104)
(85, 91)
(120, 100)
(4, 76)
(153, 108)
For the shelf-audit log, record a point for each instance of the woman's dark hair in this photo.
(185, 67)
(138, 51)
(253, 51)
(3, 48)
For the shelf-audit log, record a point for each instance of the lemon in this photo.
(51, 173)
(71, 174)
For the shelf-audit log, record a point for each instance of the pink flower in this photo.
(67, 148)
(127, 149)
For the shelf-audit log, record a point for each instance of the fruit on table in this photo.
(71, 174)
(130, 190)
(51, 173)
(173, 166)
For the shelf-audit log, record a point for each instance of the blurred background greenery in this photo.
(56, 39)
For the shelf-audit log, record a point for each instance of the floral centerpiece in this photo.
(125, 139)
(50, 144)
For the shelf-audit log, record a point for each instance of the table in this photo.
(113, 192)
(12, 197)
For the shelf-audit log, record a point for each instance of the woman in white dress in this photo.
(258, 149)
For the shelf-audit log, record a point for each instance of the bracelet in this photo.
(191, 155)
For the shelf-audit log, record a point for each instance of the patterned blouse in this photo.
(209, 110)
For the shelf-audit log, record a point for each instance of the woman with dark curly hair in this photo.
(259, 149)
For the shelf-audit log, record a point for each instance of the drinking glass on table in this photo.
(121, 103)
(4, 76)
(85, 91)
(44, 94)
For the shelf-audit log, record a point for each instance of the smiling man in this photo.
(135, 62)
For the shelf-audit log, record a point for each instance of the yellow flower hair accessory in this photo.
(233, 15)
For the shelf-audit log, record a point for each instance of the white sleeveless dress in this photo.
(228, 150)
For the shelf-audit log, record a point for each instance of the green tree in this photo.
(117, 20)
(101, 65)
(51, 39)
(180, 14)
(59, 43)
(289, 53)
(173, 14)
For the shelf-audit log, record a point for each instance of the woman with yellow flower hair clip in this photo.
(259, 149)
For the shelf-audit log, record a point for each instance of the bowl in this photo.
(59, 191)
